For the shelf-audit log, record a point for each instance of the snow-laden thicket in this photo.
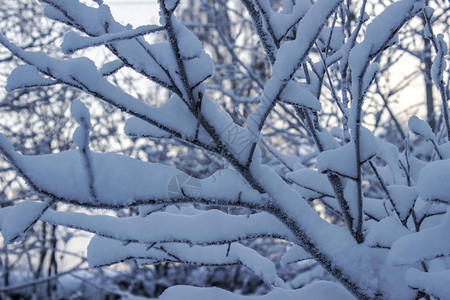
(393, 246)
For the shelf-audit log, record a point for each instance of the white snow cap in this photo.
(421, 128)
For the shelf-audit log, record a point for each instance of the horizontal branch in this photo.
(205, 228)
(102, 251)
(117, 185)
(74, 42)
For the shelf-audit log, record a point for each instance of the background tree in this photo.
(319, 74)
(36, 120)
(38, 115)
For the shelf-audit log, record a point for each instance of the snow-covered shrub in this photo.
(387, 238)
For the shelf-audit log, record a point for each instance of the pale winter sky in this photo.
(135, 12)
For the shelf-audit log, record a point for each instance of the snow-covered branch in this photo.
(372, 216)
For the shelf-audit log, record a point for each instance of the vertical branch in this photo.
(375, 41)
(269, 47)
(42, 251)
(344, 64)
(81, 139)
(266, 16)
(426, 56)
(85, 152)
(386, 191)
(52, 266)
(5, 266)
(440, 60)
(437, 68)
(176, 52)
(334, 179)
(357, 135)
